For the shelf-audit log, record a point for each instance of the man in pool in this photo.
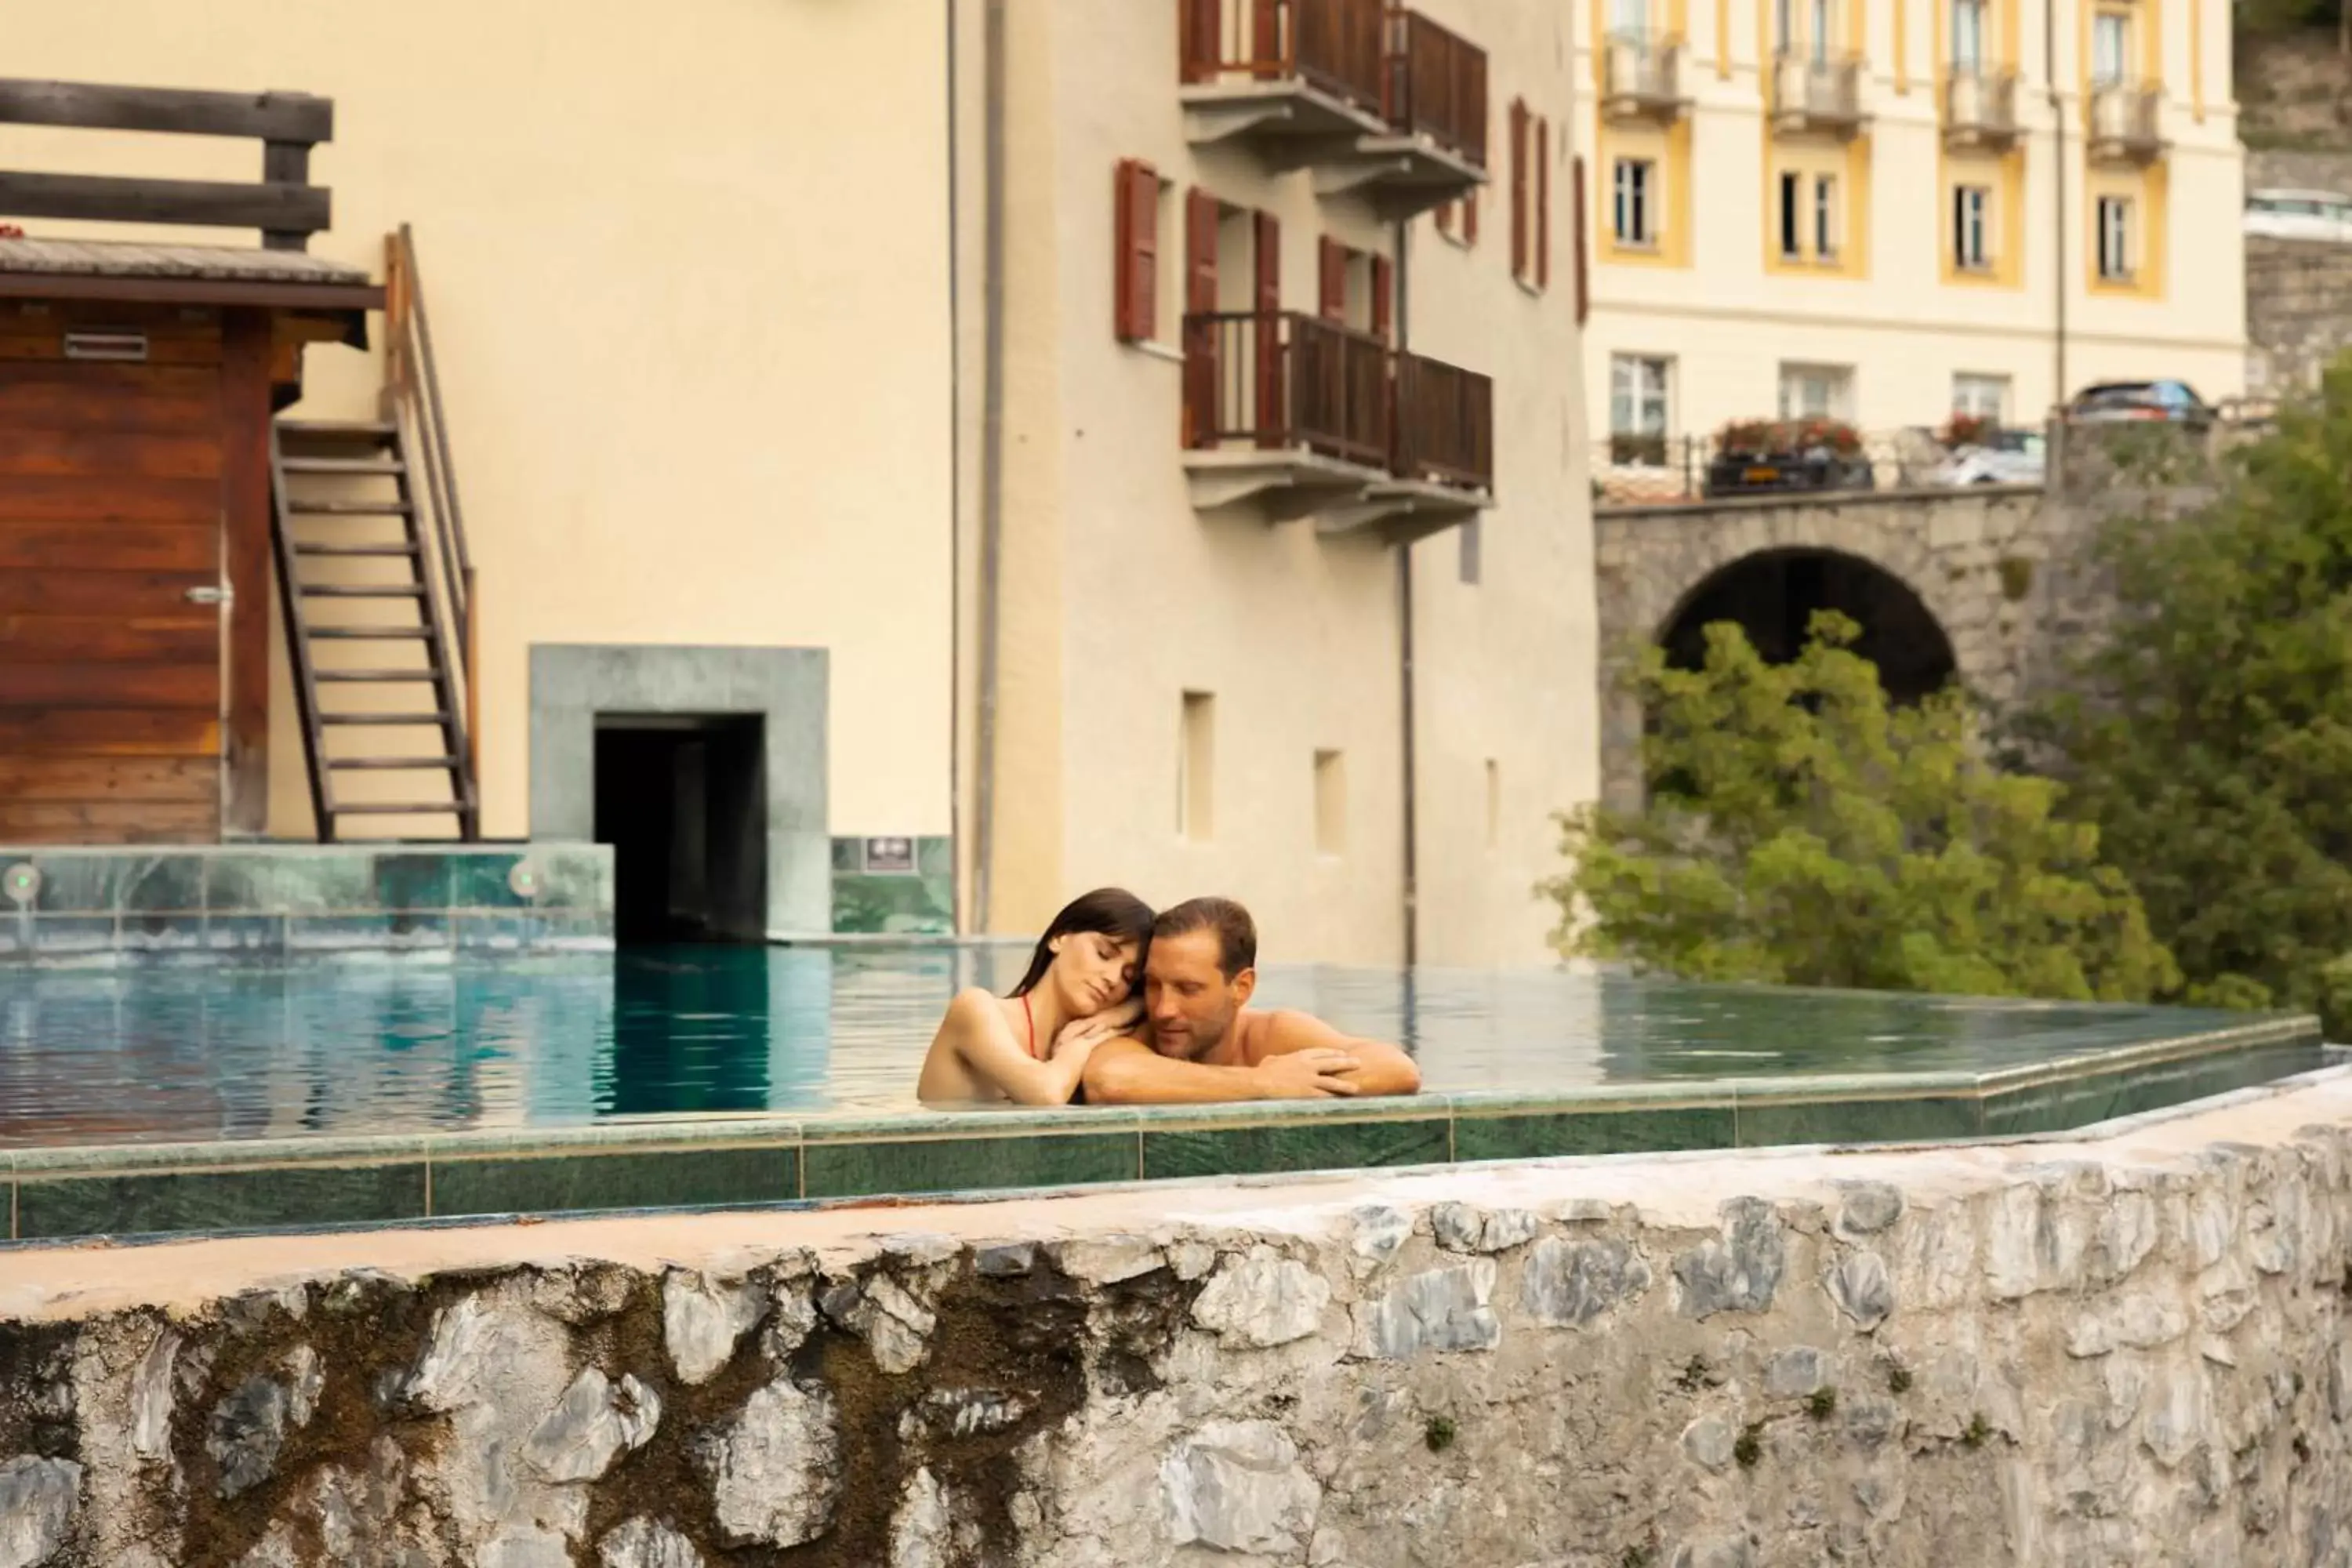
(1199, 1041)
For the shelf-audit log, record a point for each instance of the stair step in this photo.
(401, 809)
(387, 677)
(356, 549)
(395, 764)
(385, 719)
(339, 429)
(342, 591)
(371, 634)
(343, 465)
(383, 508)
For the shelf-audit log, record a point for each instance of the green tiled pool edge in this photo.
(57, 1193)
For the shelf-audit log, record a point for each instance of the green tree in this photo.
(2209, 734)
(1805, 831)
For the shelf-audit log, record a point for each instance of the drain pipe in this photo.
(992, 460)
(1400, 248)
(956, 876)
(2057, 183)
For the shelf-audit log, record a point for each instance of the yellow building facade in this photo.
(1172, 503)
(1887, 211)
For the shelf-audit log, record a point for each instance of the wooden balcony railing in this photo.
(1279, 380)
(1437, 85)
(1282, 380)
(1444, 423)
(1333, 46)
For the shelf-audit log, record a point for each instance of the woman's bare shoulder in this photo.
(973, 1005)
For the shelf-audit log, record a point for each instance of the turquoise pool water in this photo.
(199, 1053)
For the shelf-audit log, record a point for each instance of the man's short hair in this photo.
(1236, 933)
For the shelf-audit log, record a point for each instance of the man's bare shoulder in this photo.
(1279, 1030)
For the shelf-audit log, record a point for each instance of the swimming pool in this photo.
(162, 1096)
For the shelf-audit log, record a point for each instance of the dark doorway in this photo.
(1773, 594)
(682, 799)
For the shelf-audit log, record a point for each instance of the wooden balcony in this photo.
(1434, 149)
(1642, 78)
(1283, 409)
(1377, 100)
(1817, 94)
(1980, 110)
(2126, 122)
(1303, 417)
(1297, 77)
(1440, 455)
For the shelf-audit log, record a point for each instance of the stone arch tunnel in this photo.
(1947, 586)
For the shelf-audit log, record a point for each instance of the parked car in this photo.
(1758, 457)
(1995, 457)
(2300, 214)
(2110, 401)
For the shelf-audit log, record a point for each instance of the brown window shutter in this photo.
(1201, 215)
(1332, 279)
(1265, 32)
(1198, 46)
(1470, 218)
(1445, 217)
(1266, 266)
(1518, 189)
(1583, 261)
(1135, 250)
(1543, 203)
(1383, 297)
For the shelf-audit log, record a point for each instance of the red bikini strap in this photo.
(1031, 1019)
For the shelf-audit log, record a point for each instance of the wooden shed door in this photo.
(110, 546)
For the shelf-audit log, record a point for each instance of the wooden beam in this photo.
(276, 208)
(268, 116)
(192, 291)
(245, 520)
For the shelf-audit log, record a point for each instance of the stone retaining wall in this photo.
(2118, 1352)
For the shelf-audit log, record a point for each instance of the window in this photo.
(2110, 47)
(1971, 228)
(1196, 766)
(1640, 392)
(2115, 237)
(1629, 18)
(1968, 36)
(1784, 33)
(1812, 223)
(1471, 565)
(1815, 391)
(1980, 397)
(1820, 15)
(1330, 803)
(1792, 245)
(1826, 237)
(1637, 203)
(1520, 252)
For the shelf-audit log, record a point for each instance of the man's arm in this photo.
(1128, 1072)
(1379, 1068)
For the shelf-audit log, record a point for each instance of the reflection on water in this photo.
(209, 1052)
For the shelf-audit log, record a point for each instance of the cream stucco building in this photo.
(1172, 503)
(1890, 210)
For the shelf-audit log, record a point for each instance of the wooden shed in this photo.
(139, 384)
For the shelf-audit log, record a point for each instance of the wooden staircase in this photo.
(377, 588)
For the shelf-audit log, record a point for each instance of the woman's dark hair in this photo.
(1106, 911)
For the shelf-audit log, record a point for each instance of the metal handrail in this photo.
(415, 387)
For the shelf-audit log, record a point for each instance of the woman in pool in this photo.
(1030, 1048)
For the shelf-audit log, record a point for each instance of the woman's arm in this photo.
(976, 1031)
